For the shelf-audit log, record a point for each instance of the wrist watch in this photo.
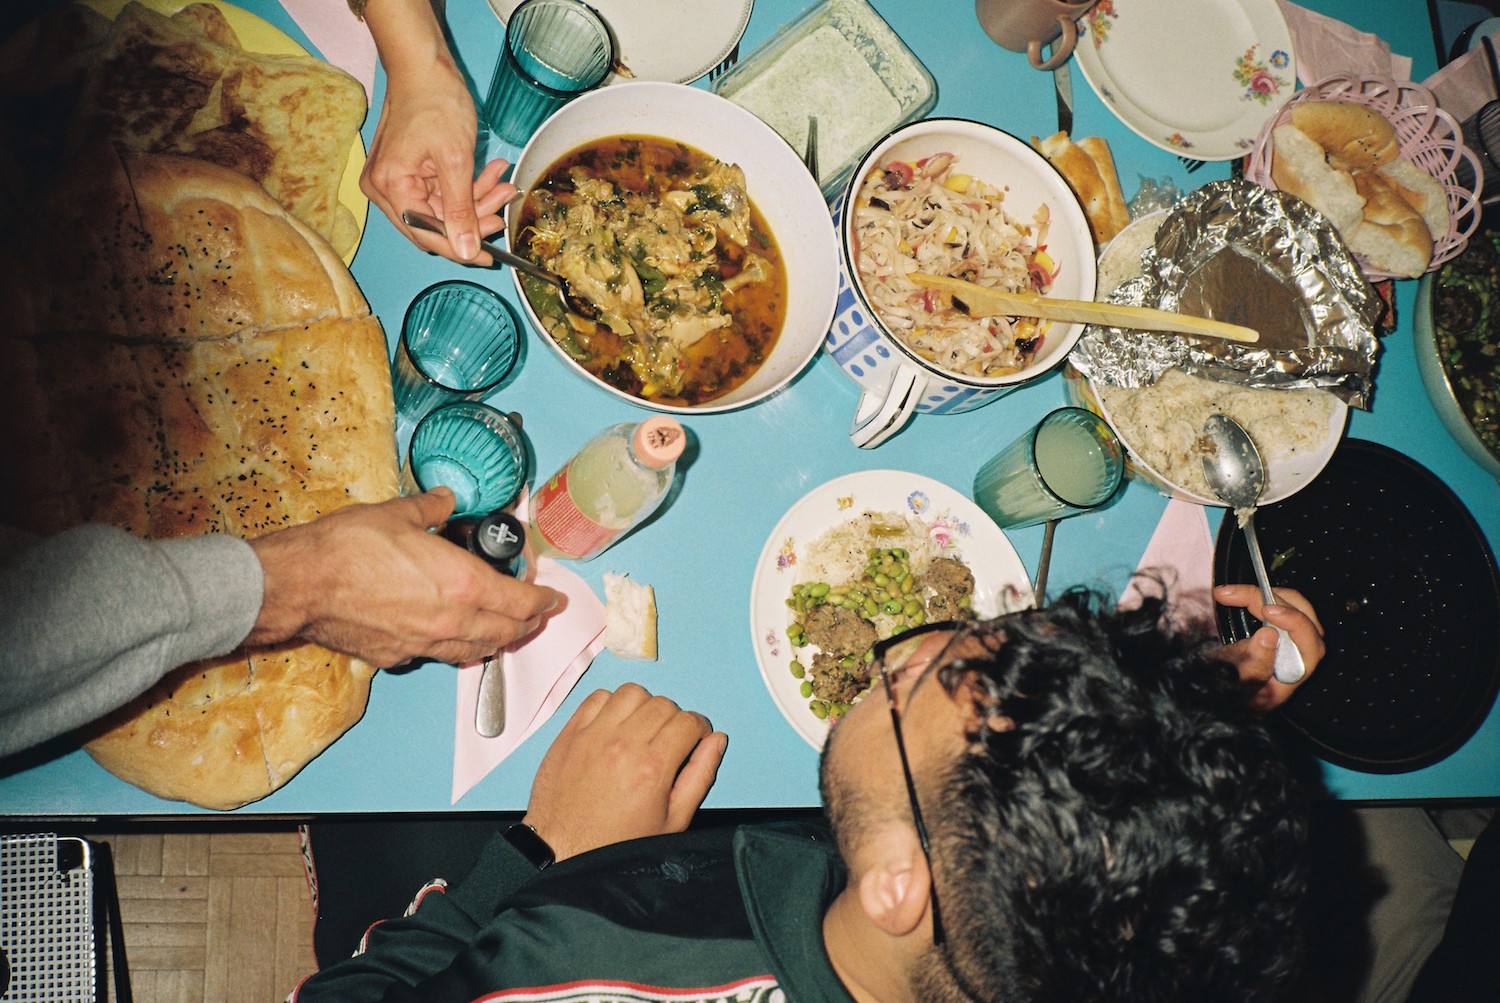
(533, 847)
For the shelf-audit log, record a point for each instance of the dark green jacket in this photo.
(717, 914)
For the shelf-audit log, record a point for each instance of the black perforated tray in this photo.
(1407, 589)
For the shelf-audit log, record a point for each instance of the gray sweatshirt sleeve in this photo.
(93, 616)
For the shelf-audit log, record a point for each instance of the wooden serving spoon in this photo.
(980, 301)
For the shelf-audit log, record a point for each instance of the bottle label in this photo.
(565, 528)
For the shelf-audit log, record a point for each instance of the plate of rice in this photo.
(1295, 430)
(833, 536)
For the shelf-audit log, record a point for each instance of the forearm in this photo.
(401, 954)
(95, 616)
(409, 37)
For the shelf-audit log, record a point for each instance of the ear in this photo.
(971, 700)
(894, 887)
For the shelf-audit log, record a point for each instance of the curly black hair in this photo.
(1137, 835)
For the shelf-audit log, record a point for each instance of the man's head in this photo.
(1107, 819)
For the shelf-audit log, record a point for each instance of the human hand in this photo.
(627, 765)
(1255, 655)
(371, 581)
(422, 155)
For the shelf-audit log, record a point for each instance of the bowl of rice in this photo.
(962, 199)
(1295, 430)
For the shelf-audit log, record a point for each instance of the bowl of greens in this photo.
(1456, 325)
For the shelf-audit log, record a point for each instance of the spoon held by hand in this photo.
(571, 300)
(1236, 474)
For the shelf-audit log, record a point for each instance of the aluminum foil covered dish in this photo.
(1240, 253)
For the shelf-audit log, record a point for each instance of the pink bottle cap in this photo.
(658, 441)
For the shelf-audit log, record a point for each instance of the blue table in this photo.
(753, 464)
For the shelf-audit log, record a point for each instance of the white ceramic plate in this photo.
(1144, 58)
(957, 525)
(665, 39)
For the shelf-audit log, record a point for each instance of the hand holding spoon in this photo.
(1234, 470)
(571, 300)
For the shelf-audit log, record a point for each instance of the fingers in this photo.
(1302, 626)
(1255, 656)
(696, 779)
(433, 507)
(459, 215)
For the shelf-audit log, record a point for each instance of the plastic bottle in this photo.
(498, 538)
(614, 482)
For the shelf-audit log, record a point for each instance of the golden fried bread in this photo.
(197, 361)
(1090, 172)
(182, 84)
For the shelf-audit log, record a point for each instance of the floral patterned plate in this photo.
(956, 526)
(1196, 79)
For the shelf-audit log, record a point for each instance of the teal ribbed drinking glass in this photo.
(458, 342)
(554, 50)
(472, 449)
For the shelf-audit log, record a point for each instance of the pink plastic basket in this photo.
(1430, 139)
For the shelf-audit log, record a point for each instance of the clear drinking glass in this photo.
(472, 449)
(554, 50)
(1070, 462)
(458, 342)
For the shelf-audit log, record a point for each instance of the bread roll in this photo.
(1422, 192)
(1300, 167)
(629, 617)
(1391, 236)
(1354, 136)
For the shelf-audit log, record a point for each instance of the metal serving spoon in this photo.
(572, 300)
(1234, 470)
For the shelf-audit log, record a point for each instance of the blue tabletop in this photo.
(751, 465)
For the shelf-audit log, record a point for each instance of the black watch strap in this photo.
(533, 847)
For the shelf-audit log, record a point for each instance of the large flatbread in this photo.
(196, 361)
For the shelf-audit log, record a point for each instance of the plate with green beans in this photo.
(859, 559)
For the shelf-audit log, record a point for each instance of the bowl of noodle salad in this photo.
(955, 198)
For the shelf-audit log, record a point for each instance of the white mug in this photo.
(897, 383)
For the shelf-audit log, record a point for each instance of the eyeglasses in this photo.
(892, 658)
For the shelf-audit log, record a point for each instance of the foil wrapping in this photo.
(1237, 252)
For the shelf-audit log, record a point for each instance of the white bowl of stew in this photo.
(704, 308)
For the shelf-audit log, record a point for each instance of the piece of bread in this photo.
(1354, 136)
(1300, 167)
(190, 249)
(183, 84)
(1392, 235)
(197, 360)
(629, 617)
(1097, 147)
(1422, 192)
(1103, 202)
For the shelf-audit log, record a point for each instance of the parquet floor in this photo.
(221, 917)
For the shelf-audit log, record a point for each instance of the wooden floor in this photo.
(216, 917)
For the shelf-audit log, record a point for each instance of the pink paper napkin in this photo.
(1182, 552)
(539, 675)
(1325, 46)
(340, 37)
(1465, 85)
